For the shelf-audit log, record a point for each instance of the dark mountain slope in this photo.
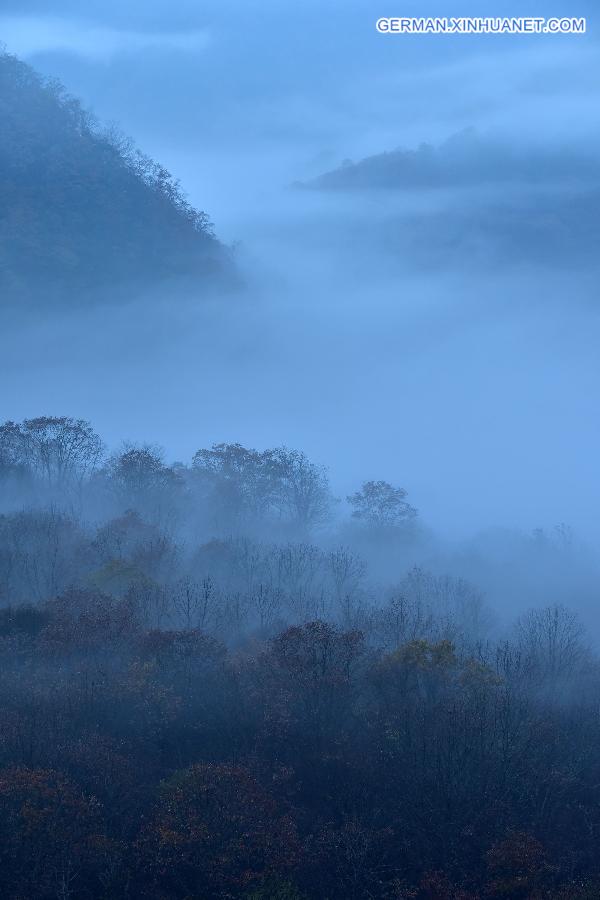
(81, 208)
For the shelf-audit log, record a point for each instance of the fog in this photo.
(444, 338)
(299, 443)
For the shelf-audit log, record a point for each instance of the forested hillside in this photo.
(473, 201)
(465, 160)
(80, 207)
(204, 693)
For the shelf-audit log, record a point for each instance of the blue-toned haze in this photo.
(443, 336)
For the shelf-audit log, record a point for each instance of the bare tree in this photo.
(244, 485)
(380, 504)
(266, 602)
(346, 572)
(234, 481)
(194, 602)
(551, 642)
(139, 479)
(303, 496)
(57, 450)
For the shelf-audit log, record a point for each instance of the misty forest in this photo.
(299, 575)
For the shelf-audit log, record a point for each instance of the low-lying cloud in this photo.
(27, 37)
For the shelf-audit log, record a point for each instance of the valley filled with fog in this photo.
(299, 445)
(441, 337)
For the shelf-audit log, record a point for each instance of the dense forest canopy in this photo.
(80, 206)
(205, 692)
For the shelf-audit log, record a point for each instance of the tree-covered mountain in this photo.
(474, 201)
(80, 206)
(465, 160)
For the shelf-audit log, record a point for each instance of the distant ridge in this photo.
(489, 200)
(464, 160)
(81, 207)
